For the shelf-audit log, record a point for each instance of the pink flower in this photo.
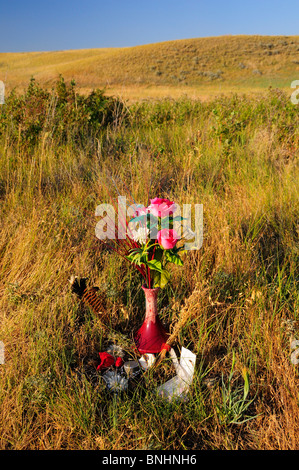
(167, 238)
(161, 207)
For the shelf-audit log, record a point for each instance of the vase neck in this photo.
(151, 309)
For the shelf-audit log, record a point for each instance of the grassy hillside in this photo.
(239, 158)
(196, 67)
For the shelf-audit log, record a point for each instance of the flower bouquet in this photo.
(150, 244)
(152, 229)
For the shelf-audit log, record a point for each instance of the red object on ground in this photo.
(118, 362)
(152, 336)
(106, 361)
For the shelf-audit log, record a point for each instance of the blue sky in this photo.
(31, 25)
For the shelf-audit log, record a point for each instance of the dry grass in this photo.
(235, 293)
(197, 67)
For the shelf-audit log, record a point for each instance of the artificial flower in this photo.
(106, 361)
(167, 238)
(115, 381)
(118, 362)
(141, 235)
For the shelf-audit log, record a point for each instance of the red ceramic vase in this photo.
(152, 336)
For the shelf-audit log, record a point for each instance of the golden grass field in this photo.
(237, 154)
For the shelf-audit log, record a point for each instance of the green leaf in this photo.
(133, 251)
(180, 248)
(165, 276)
(137, 256)
(173, 258)
(179, 218)
(166, 223)
(145, 217)
(159, 253)
(160, 278)
(155, 265)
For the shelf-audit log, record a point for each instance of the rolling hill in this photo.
(197, 67)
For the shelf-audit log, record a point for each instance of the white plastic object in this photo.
(178, 386)
(147, 360)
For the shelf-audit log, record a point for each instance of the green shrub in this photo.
(64, 114)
